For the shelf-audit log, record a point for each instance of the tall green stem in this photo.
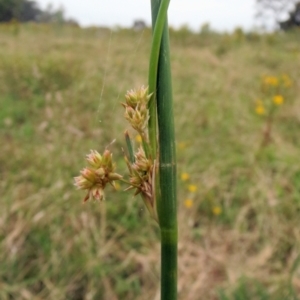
(159, 17)
(167, 203)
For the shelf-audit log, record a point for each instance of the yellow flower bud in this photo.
(188, 203)
(192, 188)
(185, 176)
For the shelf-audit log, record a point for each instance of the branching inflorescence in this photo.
(101, 169)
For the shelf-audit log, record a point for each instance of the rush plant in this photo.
(152, 167)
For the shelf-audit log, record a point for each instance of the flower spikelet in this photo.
(136, 110)
(94, 178)
(142, 173)
(137, 97)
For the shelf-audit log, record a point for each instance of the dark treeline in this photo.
(275, 12)
(293, 20)
(28, 10)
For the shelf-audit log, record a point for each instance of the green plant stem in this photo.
(159, 17)
(129, 147)
(167, 202)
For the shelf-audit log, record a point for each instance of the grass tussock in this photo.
(239, 198)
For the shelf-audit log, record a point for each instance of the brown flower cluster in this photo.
(142, 178)
(95, 177)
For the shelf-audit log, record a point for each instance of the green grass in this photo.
(60, 94)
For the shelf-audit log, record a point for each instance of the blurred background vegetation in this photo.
(284, 14)
(237, 113)
(27, 10)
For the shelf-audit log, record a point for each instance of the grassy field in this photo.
(238, 165)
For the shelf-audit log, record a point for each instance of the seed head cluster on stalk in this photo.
(141, 166)
(142, 179)
(95, 177)
(101, 169)
(136, 110)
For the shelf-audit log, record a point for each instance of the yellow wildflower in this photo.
(216, 210)
(138, 138)
(184, 176)
(271, 80)
(188, 203)
(260, 110)
(192, 188)
(278, 99)
(182, 145)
